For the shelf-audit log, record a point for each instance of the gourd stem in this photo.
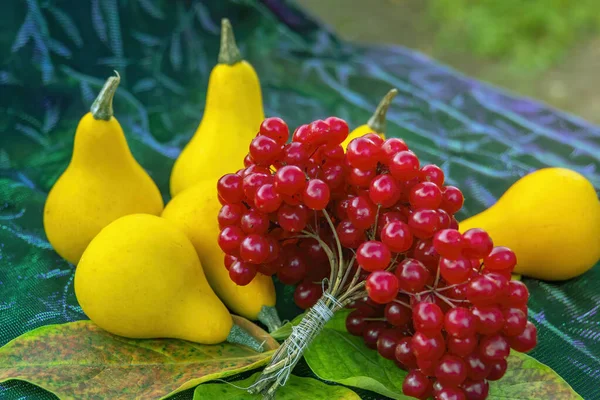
(229, 53)
(239, 335)
(102, 107)
(269, 317)
(377, 122)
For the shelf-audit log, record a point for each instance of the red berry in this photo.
(384, 191)
(494, 347)
(404, 166)
(338, 131)
(319, 132)
(477, 243)
(374, 137)
(425, 252)
(264, 150)
(363, 153)
(276, 129)
(295, 154)
(427, 348)
(230, 239)
(461, 346)
(307, 294)
(425, 195)
(372, 332)
(478, 367)
(497, 370)
(432, 173)
(362, 212)
(254, 249)
(428, 318)
(488, 319)
(373, 256)
(228, 260)
(452, 199)
(515, 321)
(412, 275)
(292, 218)
(355, 323)
(229, 214)
(445, 219)
(256, 169)
(423, 223)
(517, 295)
(302, 134)
(500, 258)
(396, 236)
(448, 243)
(253, 182)
(390, 148)
(386, 343)
(482, 290)
(242, 273)
(333, 176)
(334, 154)
(417, 385)
(450, 393)
(361, 178)
(382, 286)
(349, 235)
(271, 268)
(397, 314)
(229, 188)
(254, 222)
(526, 341)
(427, 367)
(404, 353)
(316, 194)
(293, 269)
(475, 390)
(267, 199)
(459, 322)
(248, 161)
(455, 271)
(451, 370)
(290, 180)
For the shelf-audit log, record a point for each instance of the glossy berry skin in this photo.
(230, 189)
(295, 154)
(417, 385)
(338, 131)
(390, 147)
(515, 321)
(412, 274)
(333, 176)
(292, 218)
(396, 235)
(462, 346)
(526, 341)
(363, 153)
(230, 238)
(425, 195)
(448, 243)
(423, 223)
(252, 182)
(425, 253)
(229, 214)
(477, 243)
(455, 271)
(397, 314)
(355, 323)
(478, 367)
(488, 319)
(427, 348)
(518, 294)
(404, 353)
(242, 273)
(267, 199)
(450, 393)
(361, 178)
(307, 294)
(451, 370)
(382, 286)
(254, 249)
(404, 165)
(372, 332)
(445, 219)
(319, 131)
(500, 258)
(482, 290)
(362, 212)
(497, 370)
(302, 134)
(228, 260)
(494, 347)
(373, 256)
(432, 173)
(316, 194)
(293, 270)
(254, 222)
(384, 191)
(459, 322)
(386, 343)
(475, 390)
(350, 236)
(290, 180)
(428, 318)
(264, 150)
(276, 129)
(452, 199)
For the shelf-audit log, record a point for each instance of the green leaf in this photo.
(339, 357)
(79, 360)
(295, 388)
(286, 329)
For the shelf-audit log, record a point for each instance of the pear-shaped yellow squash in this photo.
(102, 182)
(195, 212)
(232, 117)
(550, 219)
(141, 278)
(377, 122)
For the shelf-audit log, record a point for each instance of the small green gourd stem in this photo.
(229, 53)
(238, 335)
(377, 121)
(269, 317)
(102, 107)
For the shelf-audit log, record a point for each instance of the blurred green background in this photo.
(547, 49)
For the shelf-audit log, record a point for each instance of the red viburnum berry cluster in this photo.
(439, 303)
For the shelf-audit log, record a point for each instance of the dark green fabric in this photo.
(57, 53)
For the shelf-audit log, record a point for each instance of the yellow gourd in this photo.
(376, 123)
(102, 182)
(232, 117)
(140, 277)
(195, 212)
(550, 219)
